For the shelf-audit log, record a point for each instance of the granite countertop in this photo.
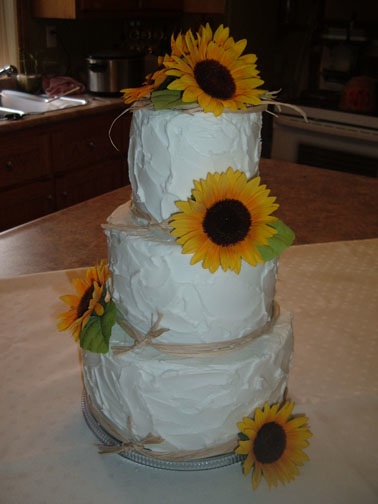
(319, 205)
(95, 105)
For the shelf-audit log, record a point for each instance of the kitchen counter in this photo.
(95, 105)
(319, 205)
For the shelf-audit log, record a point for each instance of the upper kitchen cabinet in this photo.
(74, 9)
(201, 7)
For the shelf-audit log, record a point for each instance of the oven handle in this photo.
(342, 130)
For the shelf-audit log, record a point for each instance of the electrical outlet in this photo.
(51, 36)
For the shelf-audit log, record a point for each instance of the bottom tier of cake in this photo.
(186, 405)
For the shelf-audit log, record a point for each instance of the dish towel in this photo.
(58, 85)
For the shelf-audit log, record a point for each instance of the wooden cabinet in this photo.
(85, 142)
(73, 9)
(91, 181)
(26, 188)
(23, 157)
(85, 162)
(161, 5)
(207, 7)
(53, 166)
(26, 203)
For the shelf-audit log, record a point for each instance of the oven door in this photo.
(332, 141)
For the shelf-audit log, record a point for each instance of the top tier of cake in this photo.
(169, 149)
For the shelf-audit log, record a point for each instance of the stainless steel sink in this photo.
(26, 103)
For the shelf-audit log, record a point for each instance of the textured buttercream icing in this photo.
(169, 149)
(151, 276)
(172, 385)
(191, 402)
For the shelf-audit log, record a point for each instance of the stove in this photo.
(329, 139)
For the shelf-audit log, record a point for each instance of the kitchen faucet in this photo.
(8, 70)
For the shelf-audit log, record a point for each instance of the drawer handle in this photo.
(91, 145)
(9, 166)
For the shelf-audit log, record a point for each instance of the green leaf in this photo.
(277, 243)
(166, 99)
(166, 82)
(96, 334)
(108, 320)
(242, 437)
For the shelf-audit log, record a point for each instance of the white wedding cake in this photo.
(193, 351)
(185, 351)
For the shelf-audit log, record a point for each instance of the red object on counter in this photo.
(58, 85)
(359, 95)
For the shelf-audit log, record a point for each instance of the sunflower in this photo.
(156, 79)
(214, 73)
(273, 442)
(225, 220)
(130, 95)
(91, 291)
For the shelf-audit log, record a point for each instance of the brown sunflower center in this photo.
(270, 443)
(227, 222)
(215, 79)
(84, 301)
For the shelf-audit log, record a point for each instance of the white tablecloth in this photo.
(48, 454)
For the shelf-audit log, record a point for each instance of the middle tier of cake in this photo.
(153, 281)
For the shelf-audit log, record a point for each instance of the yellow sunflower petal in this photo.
(80, 285)
(248, 464)
(244, 447)
(70, 299)
(256, 476)
(221, 35)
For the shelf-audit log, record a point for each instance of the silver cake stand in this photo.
(190, 465)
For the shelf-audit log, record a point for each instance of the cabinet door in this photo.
(159, 5)
(26, 203)
(108, 5)
(23, 157)
(80, 185)
(83, 142)
(64, 9)
(72, 9)
(207, 7)
(76, 186)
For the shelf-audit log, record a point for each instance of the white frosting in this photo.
(191, 402)
(169, 149)
(151, 276)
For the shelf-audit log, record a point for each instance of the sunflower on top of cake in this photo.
(186, 353)
(208, 70)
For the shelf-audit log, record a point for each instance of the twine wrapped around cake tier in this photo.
(148, 222)
(188, 349)
(141, 446)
